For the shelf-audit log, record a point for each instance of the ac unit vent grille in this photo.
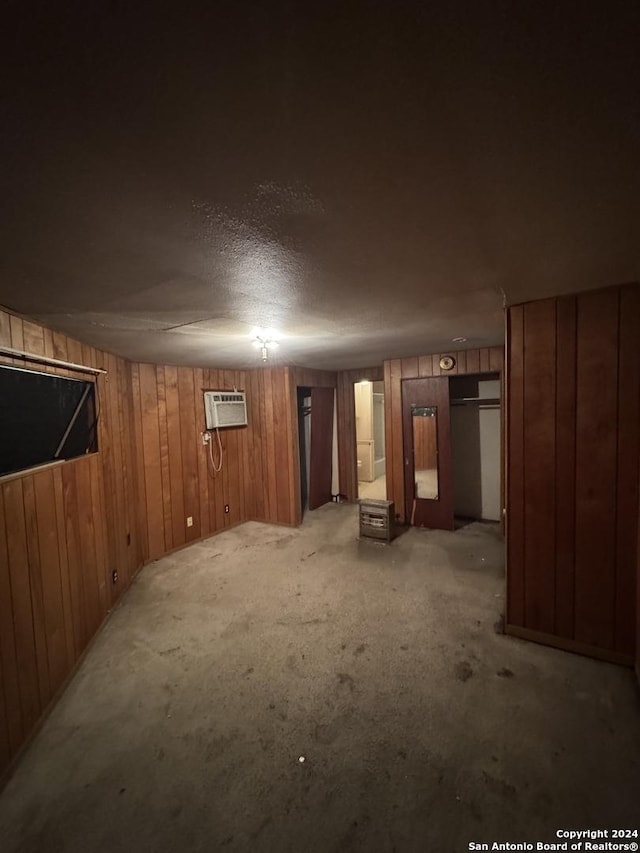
(225, 409)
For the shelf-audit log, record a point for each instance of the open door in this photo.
(321, 446)
(427, 452)
(304, 434)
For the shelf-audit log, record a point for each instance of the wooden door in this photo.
(427, 452)
(321, 446)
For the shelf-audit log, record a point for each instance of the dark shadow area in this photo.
(304, 412)
(44, 417)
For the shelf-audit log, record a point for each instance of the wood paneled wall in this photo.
(347, 449)
(54, 588)
(572, 500)
(260, 478)
(307, 377)
(63, 531)
(174, 467)
(425, 444)
(638, 595)
(472, 361)
(270, 445)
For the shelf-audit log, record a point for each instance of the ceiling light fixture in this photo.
(265, 341)
(458, 340)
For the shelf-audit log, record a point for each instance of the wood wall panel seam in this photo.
(628, 453)
(5, 747)
(17, 335)
(539, 398)
(165, 476)
(26, 655)
(63, 558)
(186, 393)
(292, 437)
(515, 474)
(267, 396)
(97, 504)
(396, 463)
(35, 584)
(596, 476)
(616, 539)
(5, 329)
(8, 651)
(88, 550)
(51, 573)
(565, 466)
(283, 448)
(151, 457)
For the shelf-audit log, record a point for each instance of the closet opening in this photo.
(475, 447)
(317, 446)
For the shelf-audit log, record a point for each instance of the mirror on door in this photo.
(425, 451)
(427, 458)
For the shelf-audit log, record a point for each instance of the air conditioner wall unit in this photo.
(225, 409)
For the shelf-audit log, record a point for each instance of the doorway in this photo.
(370, 439)
(475, 447)
(316, 445)
(304, 443)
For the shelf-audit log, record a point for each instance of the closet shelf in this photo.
(463, 401)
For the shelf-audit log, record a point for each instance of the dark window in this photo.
(43, 418)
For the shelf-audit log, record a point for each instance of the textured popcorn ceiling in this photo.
(371, 180)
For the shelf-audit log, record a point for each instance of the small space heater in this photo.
(376, 519)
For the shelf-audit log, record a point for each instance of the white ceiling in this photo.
(371, 181)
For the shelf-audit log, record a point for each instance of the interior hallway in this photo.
(375, 490)
(421, 727)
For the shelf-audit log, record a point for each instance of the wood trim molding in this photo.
(568, 645)
(55, 362)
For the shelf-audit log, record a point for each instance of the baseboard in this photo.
(567, 645)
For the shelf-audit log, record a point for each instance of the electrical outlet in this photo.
(206, 437)
(226, 507)
(189, 521)
(114, 576)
